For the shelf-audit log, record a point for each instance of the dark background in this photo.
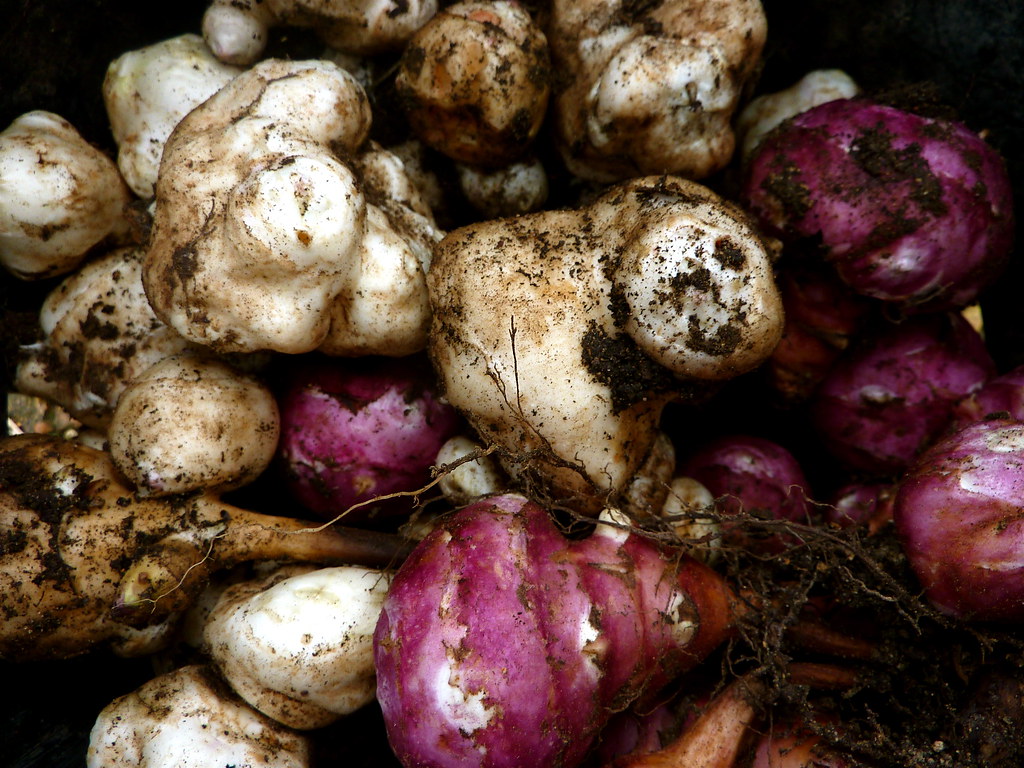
(53, 56)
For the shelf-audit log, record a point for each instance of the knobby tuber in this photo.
(562, 334)
(264, 239)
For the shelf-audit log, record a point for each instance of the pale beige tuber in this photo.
(60, 197)
(651, 87)
(188, 718)
(192, 423)
(86, 562)
(297, 644)
(99, 333)
(237, 31)
(561, 335)
(264, 239)
(146, 93)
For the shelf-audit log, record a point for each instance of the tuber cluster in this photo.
(526, 380)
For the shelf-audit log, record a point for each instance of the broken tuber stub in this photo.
(562, 334)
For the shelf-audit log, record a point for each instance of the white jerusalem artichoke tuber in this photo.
(100, 333)
(264, 239)
(59, 197)
(189, 718)
(562, 334)
(85, 562)
(297, 644)
(237, 30)
(147, 92)
(651, 87)
(191, 423)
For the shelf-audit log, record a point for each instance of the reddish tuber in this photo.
(353, 430)
(911, 210)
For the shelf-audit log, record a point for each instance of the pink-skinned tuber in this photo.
(886, 400)
(502, 643)
(755, 476)
(85, 561)
(562, 334)
(957, 512)
(355, 430)
(911, 210)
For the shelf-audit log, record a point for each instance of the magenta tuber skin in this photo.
(1000, 396)
(958, 514)
(910, 210)
(885, 401)
(755, 475)
(503, 644)
(353, 430)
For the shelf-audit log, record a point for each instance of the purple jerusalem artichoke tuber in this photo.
(911, 210)
(502, 643)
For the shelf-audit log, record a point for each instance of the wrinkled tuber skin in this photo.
(474, 82)
(237, 30)
(146, 93)
(188, 718)
(297, 644)
(61, 197)
(84, 561)
(910, 210)
(957, 512)
(564, 333)
(651, 87)
(191, 423)
(885, 401)
(100, 333)
(538, 640)
(264, 239)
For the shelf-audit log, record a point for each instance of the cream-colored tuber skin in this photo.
(147, 92)
(474, 81)
(189, 718)
(263, 239)
(765, 112)
(651, 87)
(60, 197)
(191, 423)
(464, 480)
(237, 30)
(87, 562)
(496, 193)
(297, 644)
(99, 333)
(690, 508)
(561, 335)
